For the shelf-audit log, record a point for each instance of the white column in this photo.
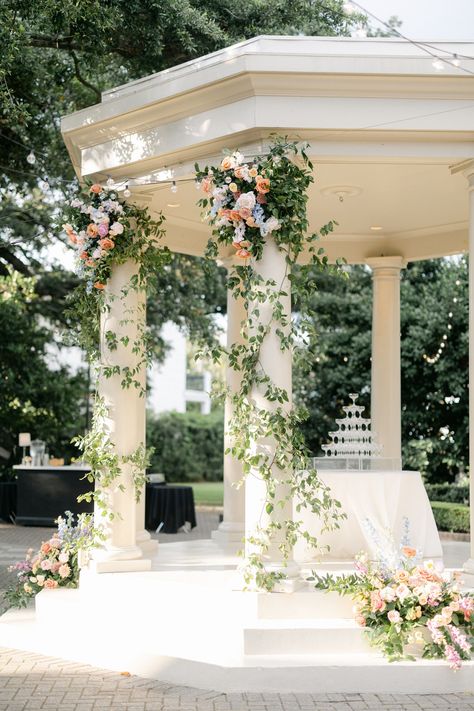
(277, 364)
(469, 564)
(386, 391)
(231, 531)
(125, 422)
(148, 545)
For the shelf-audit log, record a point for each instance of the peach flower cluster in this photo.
(237, 193)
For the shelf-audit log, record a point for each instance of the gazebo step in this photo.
(329, 636)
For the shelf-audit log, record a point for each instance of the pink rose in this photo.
(116, 228)
(46, 564)
(360, 619)
(394, 617)
(55, 567)
(64, 570)
(103, 229)
(63, 557)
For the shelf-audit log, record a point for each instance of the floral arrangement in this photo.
(411, 603)
(246, 201)
(98, 226)
(56, 564)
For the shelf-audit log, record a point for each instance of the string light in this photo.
(438, 65)
(31, 158)
(444, 339)
(110, 182)
(174, 187)
(127, 192)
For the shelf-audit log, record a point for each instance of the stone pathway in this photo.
(29, 682)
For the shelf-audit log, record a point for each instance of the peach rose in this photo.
(409, 552)
(245, 213)
(72, 237)
(227, 163)
(206, 185)
(253, 172)
(243, 254)
(234, 216)
(50, 583)
(360, 619)
(263, 185)
(45, 548)
(96, 188)
(106, 243)
(250, 222)
(83, 255)
(99, 285)
(92, 230)
(239, 172)
(89, 263)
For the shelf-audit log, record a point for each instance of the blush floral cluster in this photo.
(410, 604)
(97, 228)
(56, 563)
(238, 195)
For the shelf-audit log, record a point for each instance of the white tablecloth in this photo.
(378, 504)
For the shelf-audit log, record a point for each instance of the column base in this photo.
(146, 543)
(229, 535)
(118, 560)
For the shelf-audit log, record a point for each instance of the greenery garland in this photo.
(248, 202)
(107, 232)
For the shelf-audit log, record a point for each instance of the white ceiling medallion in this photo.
(341, 191)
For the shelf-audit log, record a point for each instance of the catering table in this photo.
(379, 505)
(169, 508)
(8, 491)
(44, 493)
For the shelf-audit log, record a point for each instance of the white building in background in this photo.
(172, 386)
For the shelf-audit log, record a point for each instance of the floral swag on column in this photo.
(107, 232)
(246, 202)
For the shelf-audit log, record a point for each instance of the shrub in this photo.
(451, 517)
(448, 492)
(188, 446)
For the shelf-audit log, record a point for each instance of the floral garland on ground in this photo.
(107, 231)
(56, 564)
(397, 605)
(247, 203)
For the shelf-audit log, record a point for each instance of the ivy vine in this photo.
(249, 202)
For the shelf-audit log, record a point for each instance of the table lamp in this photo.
(24, 440)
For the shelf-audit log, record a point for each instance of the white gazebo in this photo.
(392, 140)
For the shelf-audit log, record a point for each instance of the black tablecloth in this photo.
(8, 491)
(172, 506)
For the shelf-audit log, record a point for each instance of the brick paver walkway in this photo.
(29, 682)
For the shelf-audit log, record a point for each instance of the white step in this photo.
(301, 637)
(307, 604)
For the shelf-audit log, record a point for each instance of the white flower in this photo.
(272, 224)
(63, 557)
(75, 202)
(246, 200)
(96, 254)
(388, 594)
(116, 229)
(238, 157)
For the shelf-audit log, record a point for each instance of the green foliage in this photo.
(188, 446)
(453, 493)
(36, 394)
(451, 517)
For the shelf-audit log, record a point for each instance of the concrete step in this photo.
(301, 637)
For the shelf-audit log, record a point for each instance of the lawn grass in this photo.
(208, 493)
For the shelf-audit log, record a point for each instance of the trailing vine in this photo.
(249, 203)
(108, 232)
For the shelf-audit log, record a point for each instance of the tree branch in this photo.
(80, 78)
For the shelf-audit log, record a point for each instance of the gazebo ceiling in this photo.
(383, 126)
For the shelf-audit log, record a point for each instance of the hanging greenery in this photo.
(249, 202)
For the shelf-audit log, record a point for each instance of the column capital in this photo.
(386, 266)
(466, 167)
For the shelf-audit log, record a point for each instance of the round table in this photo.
(169, 508)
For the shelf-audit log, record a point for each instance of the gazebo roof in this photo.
(384, 129)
